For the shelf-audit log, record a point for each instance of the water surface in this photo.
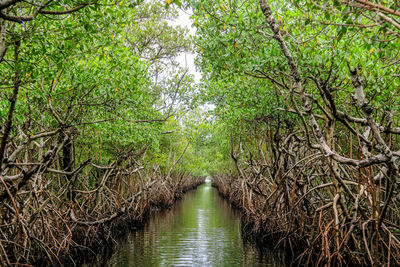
(200, 230)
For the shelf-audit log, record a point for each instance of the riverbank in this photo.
(201, 229)
(82, 234)
(159, 197)
(255, 225)
(288, 232)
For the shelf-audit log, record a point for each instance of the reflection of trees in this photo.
(201, 228)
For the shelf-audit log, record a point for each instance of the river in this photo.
(200, 230)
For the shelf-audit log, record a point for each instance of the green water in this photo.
(200, 230)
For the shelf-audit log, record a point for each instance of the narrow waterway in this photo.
(201, 230)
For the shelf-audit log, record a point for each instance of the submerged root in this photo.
(46, 228)
(312, 231)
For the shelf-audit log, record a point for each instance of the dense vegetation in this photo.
(99, 123)
(306, 97)
(92, 103)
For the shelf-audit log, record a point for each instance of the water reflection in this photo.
(201, 230)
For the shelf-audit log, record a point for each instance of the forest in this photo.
(295, 119)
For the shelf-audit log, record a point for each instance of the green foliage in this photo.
(243, 65)
(110, 72)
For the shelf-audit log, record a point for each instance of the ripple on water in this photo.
(200, 230)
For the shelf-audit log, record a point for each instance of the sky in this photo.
(187, 59)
